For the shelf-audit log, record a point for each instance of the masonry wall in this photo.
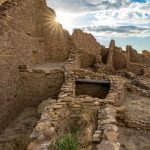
(57, 46)
(39, 86)
(146, 57)
(57, 49)
(19, 45)
(135, 57)
(87, 47)
(104, 53)
(119, 60)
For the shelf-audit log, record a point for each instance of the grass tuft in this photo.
(67, 142)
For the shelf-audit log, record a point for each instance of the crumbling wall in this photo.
(87, 47)
(20, 44)
(119, 60)
(146, 57)
(57, 46)
(133, 55)
(104, 53)
(146, 54)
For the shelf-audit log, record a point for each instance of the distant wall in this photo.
(87, 47)
(146, 57)
(119, 60)
(135, 57)
(104, 53)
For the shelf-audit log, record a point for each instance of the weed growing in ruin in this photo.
(67, 142)
(78, 133)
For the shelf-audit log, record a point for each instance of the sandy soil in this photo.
(137, 116)
(133, 139)
(138, 110)
(20, 129)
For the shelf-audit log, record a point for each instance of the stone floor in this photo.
(48, 66)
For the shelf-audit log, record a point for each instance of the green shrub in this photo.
(67, 142)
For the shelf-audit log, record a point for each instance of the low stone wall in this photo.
(106, 136)
(68, 106)
(57, 115)
(53, 122)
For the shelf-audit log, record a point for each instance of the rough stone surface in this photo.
(105, 145)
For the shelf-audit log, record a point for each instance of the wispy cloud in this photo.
(117, 31)
(102, 18)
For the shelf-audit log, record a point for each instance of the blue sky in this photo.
(126, 21)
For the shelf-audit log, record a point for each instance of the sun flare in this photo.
(65, 19)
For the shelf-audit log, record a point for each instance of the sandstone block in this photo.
(32, 146)
(67, 99)
(48, 134)
(121, 109)
(111, 135)
(42, 106)
(57, 106)
(106, 145)
(42, 126)
(96, 138)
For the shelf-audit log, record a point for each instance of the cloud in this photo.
(85, 5)
(105, 17)
(117, 31)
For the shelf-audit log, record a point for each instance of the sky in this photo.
(125, 21)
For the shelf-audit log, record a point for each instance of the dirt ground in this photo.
(138, 110)
(134, 139)
(16, 135)
(138, 117)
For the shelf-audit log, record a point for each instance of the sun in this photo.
(65, 19)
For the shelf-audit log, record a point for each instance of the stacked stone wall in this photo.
(57, 40)
(119, 60)
(87, 47)
(41, 85)
(19, 45)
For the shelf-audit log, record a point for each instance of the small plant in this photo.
(67, 142)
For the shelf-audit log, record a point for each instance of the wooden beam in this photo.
(93, 81)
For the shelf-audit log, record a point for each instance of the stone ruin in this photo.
(48, 78)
